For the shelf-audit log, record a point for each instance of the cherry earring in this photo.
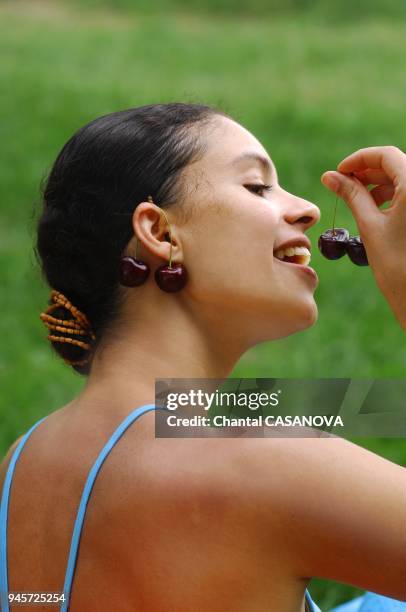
(132, 271)
(171, 277)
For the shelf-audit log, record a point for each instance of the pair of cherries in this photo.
(337, 242)
(134, 272)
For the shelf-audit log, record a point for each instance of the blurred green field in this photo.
(345, 10)
(311, 89)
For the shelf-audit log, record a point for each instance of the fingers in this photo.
(389, 159)
(373, 177)
(357, 196)
(382, 193)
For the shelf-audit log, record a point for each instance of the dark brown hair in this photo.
(94, 185)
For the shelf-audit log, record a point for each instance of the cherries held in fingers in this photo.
(356, 251)
(332, 243)
(336, 242)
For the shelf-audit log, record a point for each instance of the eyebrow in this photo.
(264, 161)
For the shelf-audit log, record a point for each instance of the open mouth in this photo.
(297, 255)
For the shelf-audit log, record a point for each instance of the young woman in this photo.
(205, 524)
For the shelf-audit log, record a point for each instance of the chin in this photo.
(299, 319)
(308, 315)
(302, 317)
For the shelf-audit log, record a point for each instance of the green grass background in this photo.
(312, 80)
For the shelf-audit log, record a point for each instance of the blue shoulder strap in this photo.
(77, 530)
(313, 606)
(5, 607)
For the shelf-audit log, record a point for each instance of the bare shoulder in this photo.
(259, 480)
(332, 508)
(238, 466)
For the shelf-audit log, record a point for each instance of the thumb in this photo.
(355, 194)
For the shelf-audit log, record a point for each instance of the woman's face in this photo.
(236, 228)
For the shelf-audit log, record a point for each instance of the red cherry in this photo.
(356, 251)
(133, 272)
(171, 279)
(332, 243)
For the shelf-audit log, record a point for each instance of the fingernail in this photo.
(331, 182)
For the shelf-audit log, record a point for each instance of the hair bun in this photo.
(75, 325)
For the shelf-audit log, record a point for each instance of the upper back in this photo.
(159, 509)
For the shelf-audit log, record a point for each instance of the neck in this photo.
(165, 340)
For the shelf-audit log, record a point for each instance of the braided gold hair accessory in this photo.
(78, 326)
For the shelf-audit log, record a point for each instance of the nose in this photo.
(301, 212)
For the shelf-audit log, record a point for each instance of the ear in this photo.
(150, 226)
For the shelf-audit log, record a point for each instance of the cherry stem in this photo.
(169, 231)
(334, 216)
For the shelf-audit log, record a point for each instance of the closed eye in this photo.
(258, 188)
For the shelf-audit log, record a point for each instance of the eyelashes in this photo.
(257, 188)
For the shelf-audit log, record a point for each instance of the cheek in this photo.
(232, 256)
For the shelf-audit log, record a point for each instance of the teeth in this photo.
(301, 252)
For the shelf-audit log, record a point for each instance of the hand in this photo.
(382, 231)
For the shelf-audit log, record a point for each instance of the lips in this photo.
(296, 253)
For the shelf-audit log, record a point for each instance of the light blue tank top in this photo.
(77, 529)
